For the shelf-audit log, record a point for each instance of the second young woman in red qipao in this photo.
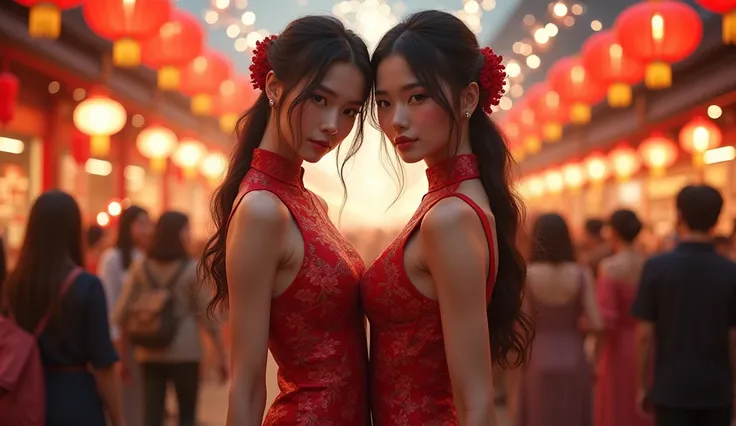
(454, 273)
(291, 279)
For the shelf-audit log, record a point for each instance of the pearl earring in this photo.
(467, 114)
(270, 102)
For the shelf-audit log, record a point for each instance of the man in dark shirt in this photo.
(686, 302)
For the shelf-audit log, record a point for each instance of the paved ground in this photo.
(213, 406)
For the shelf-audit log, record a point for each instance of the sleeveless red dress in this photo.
(317, 333)
(410, 382)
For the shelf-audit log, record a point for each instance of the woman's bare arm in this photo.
(455, 248)
(255, 246)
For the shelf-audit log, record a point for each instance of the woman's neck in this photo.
(270, 142)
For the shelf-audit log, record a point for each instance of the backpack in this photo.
(22, 382)
(150, 319)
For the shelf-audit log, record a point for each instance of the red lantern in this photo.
(201, 79)
(44, 19)
(576, 86)
(127, 23)
(176, 44)
(609, 64)
(727, 8)
(624, 162)
(659, 33)
(9, 87)
(549, 110)
(597, 167)
(698, 136)
(574, 176)
(234, 97)
(658, 152)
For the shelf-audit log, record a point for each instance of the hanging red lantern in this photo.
(597, 167)
(44, 19)
(659, 33)
(234, 97)
(574, 176)
(576, 86)
(156, 143)
(201, 80)
(727, 8)
(9, 87)
(127, 23)
(698, 136)
(624, 162)
(177, 43)
(99, 117)
(609, 64)
(554, 181)
(549, 110)
(658, 152)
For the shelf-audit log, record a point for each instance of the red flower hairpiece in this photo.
(260, 67)
(492, 78)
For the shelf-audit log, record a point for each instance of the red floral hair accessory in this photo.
(492, 78)
(260, 67)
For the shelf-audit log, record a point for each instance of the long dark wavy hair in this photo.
(305, 49)
(125, 242)
(552, 241)
(441, 49)
(52, 246)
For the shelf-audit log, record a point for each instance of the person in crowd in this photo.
(444, 299)
(169, 265)
(291, 280)
(95, 245)
(615, 389)
(133, 235)
(686, 306)
(76, 350)
(594, 247)
(556, 388)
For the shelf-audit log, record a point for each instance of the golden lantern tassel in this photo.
(126, 53)
(698, 160)
(99, 145)
(658, 76)
(158, 164)
(168, 78)
(580, 113)
(619, 95)
(44, 21)
(228, 122)
(190, 172)
(729, 27)
(532, 144)
(552, 131)
(201, 104)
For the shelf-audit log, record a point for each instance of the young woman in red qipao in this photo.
(444, 299)
(289, 277)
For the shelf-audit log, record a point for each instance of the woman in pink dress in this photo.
(615, 390)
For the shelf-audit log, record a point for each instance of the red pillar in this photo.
(121, 151)
(51, 152)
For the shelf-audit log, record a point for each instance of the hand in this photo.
(643, 403)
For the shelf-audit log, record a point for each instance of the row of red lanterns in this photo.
(657, 153)
(168, 40)
(646, 38)
(163, 38)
